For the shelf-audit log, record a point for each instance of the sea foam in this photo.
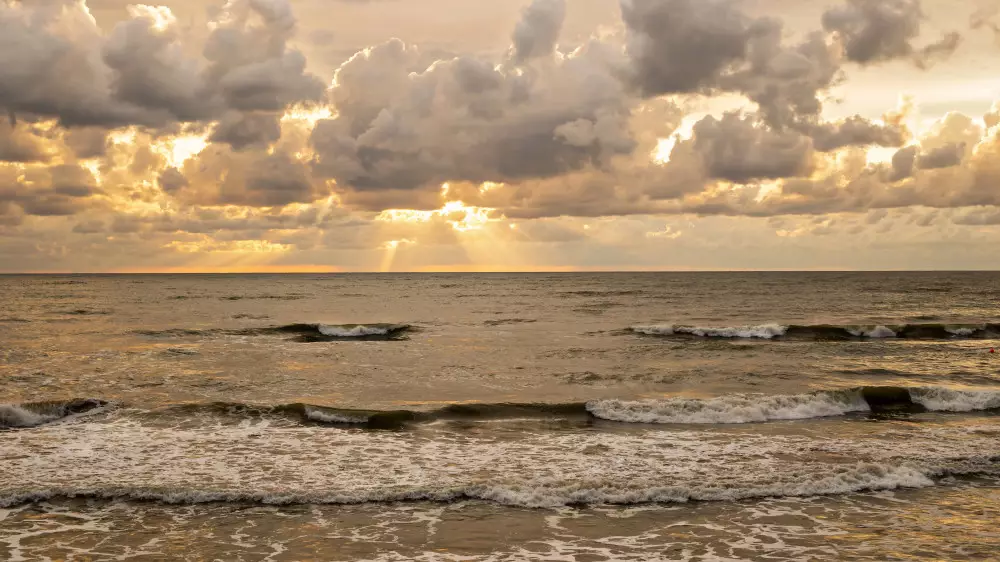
(763, 331)
(732, 409)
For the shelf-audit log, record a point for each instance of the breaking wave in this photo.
(17, 416)
(857, 478)
(754, 408)
(825, 332)
(333, 332)
(728, 409)
(391, 419)
(764, 331)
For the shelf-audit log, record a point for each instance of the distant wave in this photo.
(87, 312)
(290, 297)
(825, 332)
(333, 332)
(507, 321)
(609, 293)
(13, 416)
(764, 331)
(302, 332)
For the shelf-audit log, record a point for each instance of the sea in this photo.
(495, 417)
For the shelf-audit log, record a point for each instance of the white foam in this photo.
(732, 409)
(963, 331)
(877, 332)
(12, 415)
(121, 457)
(763, 331)
(331, 417)
(358, 331)
(19, 416)
(950, 400)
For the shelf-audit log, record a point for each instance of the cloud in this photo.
(538, 31)
(875, 31)
(786, 81)
(942, 157)
(241, 130)
(737, 149)
(679, 46)
(142, 72)
(986, 18)
(157, 138)
(220, 175)
(856, 131)
(20, 144)
(468, 119)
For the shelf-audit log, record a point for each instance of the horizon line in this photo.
(483, 272)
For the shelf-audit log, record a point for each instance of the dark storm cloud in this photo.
(875, 31)
(942, 157)
(241, 130)
(679, 46)
(276, 180)
(904, 162)
(141, 72)
(72, 180)
(737, 149)
(856, 131)
(786, 80)
(47, 191)
(172, 180)
(86, 142)
(538, 31)
(468, 119)
(908, 160)
(220, 175)
(559, 129)
(19, 144)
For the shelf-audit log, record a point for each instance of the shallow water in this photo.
(777, 416)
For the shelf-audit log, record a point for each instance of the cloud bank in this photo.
(165, 135)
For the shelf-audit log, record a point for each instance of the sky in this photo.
(511, 135)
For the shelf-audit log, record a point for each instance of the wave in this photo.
(939, 399)
(390, 419)
(826, 332)
(728, 409)
(18, 416)
(333, 332)
(86, 312)
(290, 297)
(764, 331)
(611, 293)
(858, 478)
(754, 408)
(507, 321)
(304, 332)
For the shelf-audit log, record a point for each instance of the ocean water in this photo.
(619, 416)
